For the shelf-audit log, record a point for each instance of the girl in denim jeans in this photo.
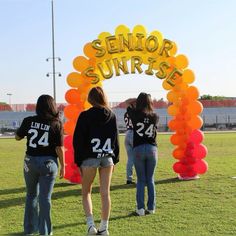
(144, 122)
(44, 145)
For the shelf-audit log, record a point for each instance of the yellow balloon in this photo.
(103, 35)
(158, 35)
(139, 29)
(122, 29)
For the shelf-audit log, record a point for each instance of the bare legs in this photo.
(105, 182)
(88, 175)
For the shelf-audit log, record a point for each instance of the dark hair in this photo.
(144, 103)
(97, 97)
(46, 108)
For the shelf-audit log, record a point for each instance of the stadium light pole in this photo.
(9, 94)
(54, 73)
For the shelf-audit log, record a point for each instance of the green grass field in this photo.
(199, 207)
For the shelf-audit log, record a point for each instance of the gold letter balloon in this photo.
(135, 51)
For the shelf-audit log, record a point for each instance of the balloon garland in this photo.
(130, 52)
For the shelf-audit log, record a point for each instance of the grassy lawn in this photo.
(199, 207)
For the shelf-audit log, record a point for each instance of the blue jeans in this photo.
(40, 174)
(145, 160)
(130, 154)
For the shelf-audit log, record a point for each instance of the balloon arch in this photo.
(128, 52)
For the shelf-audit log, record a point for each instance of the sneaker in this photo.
(150, 212)
(103, 232)
(92, 230)
(140, 212)
(130, 182)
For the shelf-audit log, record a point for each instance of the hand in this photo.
(62, 172)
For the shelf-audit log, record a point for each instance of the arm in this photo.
(21, 131)
(79, 138)
(61, 155)
(117, 146)
(18, 138)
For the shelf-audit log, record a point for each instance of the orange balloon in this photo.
(175, 124)
(87, 105)
(178, 153)
(192, 93)
(72, 111)
(80, 63)
(188, 76)
(89, 51)
(174, 49)
(195, 107)
(172, 110)
(180, 87)
(195, 122)
(69, 127)
(75, 79)
(166, 85)
(72, 96)
(181, 61)
(173, 96)
(177, 139)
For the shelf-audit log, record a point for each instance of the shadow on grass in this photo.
(12, 191)
(18, 233)
(22, 189)
(168, 181)
(96, 190)
(76, 191)
(62, 226)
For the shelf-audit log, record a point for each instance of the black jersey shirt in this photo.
(43, 136)
(128, 122)
(144, 126)
(96, 135)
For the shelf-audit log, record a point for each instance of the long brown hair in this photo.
(97, 97)
(46, 108)
(144, 103)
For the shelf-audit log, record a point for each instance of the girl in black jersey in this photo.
(44, 144)
(129, 144)
(144, 122)
(96, 146)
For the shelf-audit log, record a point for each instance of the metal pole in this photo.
(9, 94)
(53, 56)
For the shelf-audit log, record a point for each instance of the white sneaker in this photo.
(140, 212)
(150, 212)
(92, 230)
(103, 232)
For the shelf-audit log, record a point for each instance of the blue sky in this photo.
(204, 31)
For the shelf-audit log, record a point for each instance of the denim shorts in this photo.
(98, 162)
